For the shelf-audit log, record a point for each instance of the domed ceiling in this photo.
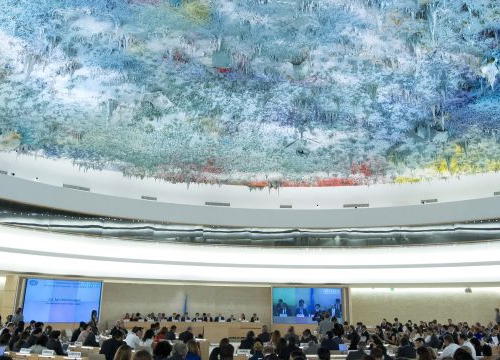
(255, 92)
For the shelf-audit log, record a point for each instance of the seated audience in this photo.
(133, 338)
(463, 341)
(119, 325)
(54, 343)
(147, 341)
(257, 351)
(449, 347)
(41, 344)
(162, 334)
(406, 349)
(124, 352)
(110, 346)
(226, 352)
(171, 333)
(142, 355)
(35, 334)
(264, 336)
(214, 355)
(21, 342)
(247, 343)
(311, 348)
(179, 351)
(307, 337)
(462, 353)
(359, 353)
(423, 353)
(162, 350)
(76, 332)
(193, 351)
(186, 335)
(291, 334)
(330, 343)
(91, 339)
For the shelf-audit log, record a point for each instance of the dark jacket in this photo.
(407, 351)
(264, 337)
(75, 335)
(185, 336)
(55, 344)
(109, 347)
(355, 355)
(90, 340)
(247, 344)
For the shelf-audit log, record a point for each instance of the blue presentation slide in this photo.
(61, 300)
(305, 305)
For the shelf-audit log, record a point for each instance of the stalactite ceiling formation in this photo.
(255, 92)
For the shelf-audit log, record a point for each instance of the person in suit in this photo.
(318, 314)
(172, 317)
(110, 346)
(185, 317)
(91, 340)
(406, 349)
(219, 317)
(35, 334)
(54, 344)
(206, 317)
(330, 342)
(186, 335)
(264, 336)
(302, 310)
(307, 337)
(170, 335)
(77, 331)
(359, 353)
(254, 318)
(247, 343)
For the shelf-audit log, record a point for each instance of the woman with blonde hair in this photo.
(124, 352)
(193, 351)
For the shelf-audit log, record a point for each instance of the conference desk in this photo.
(213, 332)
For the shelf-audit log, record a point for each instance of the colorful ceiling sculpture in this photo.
(255, 92)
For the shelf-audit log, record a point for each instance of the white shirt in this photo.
(147, 345)
(471, 347)
(133, 340)
(449, 351)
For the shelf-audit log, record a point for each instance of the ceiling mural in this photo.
(255, 92)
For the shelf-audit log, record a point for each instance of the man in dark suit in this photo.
(332, 341)
(109, 347)
(219, 318)
(406, 350)
(264, 336)
(359, 353)
(171, 333)
(185, 317)
(247, 343)
(186, 335)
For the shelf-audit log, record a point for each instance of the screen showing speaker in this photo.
(300, 305)
(61, 301)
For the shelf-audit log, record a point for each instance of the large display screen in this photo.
(63, 301)
(306, 305)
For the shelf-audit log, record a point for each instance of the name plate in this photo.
(47, 352)
(25, 351)
(283, 315)
(74, 354)
(79, 343)
(300, 315)
(126, 320)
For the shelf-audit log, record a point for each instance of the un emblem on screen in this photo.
(33, 282)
